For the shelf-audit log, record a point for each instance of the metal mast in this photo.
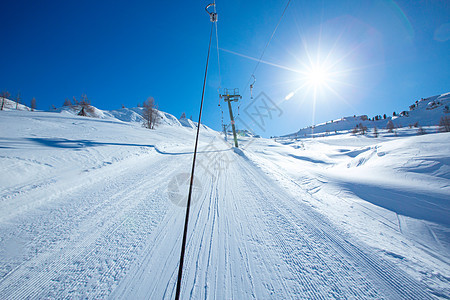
(231, 96)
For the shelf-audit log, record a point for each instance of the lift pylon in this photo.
(231, 95)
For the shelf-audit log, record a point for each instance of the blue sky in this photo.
(375, 56)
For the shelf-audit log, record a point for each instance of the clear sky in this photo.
(327, 58)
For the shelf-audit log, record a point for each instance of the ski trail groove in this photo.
(84, 250)
(291, 213)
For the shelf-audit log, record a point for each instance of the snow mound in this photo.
(11, 105)
(134, 115)
(90, 111)
(130, 115)
(168, 119)
(188, 123)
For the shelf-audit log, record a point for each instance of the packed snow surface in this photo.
(94, 208)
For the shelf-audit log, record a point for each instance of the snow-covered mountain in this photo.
(133, 115)
(424, 112)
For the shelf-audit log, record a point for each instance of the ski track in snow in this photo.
(111, 231)
(80, 246)
(248, 239)
(255, 241)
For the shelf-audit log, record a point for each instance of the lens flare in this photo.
(318, 76)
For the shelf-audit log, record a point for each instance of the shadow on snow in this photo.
(76, 144)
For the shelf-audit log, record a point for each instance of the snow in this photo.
(93, 208)
(426, 112)
(10, 105)
(391, 192)
(129, 115)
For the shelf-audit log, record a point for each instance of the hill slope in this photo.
(12, 105)
(425, 112)
(130, 115)
(93, 208)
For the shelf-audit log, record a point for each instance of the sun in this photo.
(318, 76)
(313, 78)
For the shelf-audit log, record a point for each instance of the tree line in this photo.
(5, 95)
(150, 114)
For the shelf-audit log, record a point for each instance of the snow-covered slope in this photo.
(90, 111)
(425, 112)
(393, 192)
(10, 105)
(93, 208)
(128, 114)
(191, 124)
(133, 115)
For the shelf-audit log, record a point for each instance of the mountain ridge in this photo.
(424, 112)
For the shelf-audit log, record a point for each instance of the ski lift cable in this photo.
(218, 57)
(217, 48)
(213, 19)
(264, 50)
(251, 86)
(218, 60)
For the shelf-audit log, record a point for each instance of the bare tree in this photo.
(150, 113)
(421, 131)
(183, 116)
(5, 95)
(84, 100)
(67, 102)
(444, 124)
(375, 132)
(359, 128)
(17, 100)
(362, 129)
(390, 126)
(33, 104)
(82, 112)
(85, 104)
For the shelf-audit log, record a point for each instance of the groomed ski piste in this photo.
(94, 208)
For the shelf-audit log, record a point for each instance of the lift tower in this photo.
(229, 96)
